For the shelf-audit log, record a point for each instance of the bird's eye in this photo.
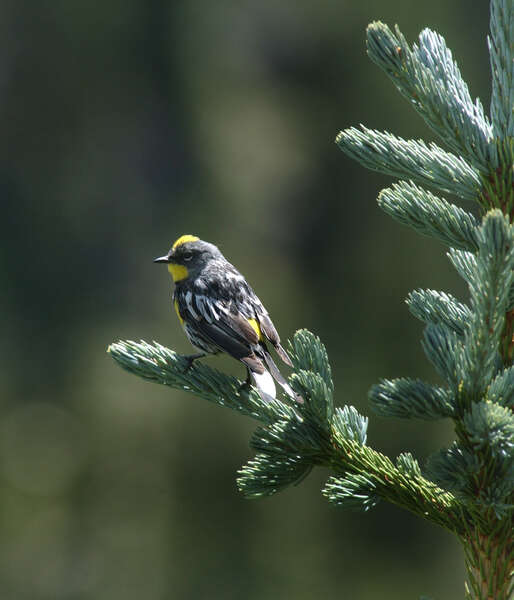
(187, 255)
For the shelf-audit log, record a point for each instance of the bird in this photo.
(219, 312)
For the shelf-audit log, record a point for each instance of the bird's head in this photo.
(188, 256)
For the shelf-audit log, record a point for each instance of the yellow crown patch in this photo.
(183, 239)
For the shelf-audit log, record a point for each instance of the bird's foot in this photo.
(247, 384)
(190, 358)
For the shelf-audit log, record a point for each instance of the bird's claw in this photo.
(190, 358)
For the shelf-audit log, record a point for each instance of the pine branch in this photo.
(465, 264)
(490, 282)
(378, 478)
(471, 347)
(353, 491)
(429, 78)
(501, 389)
(441, 346)
(490, 426)
(407, 464)
(411, 399)
(156, 363)
(429, 215)
(266, 475)
(293, 439)
(434, 307)
(425, 164)
(485, 488)
(501, 50)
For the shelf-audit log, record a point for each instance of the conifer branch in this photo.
(500, 44)
(501, 389)
(156, 363)
(490, 282)
(471, 346)
(411, 399)
(464, 263)
(441, 345)
(425, 164)
(429, 215)
(434, 307)
(291, 440)
(430, 79)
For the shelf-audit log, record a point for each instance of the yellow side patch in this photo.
(178, 272)
(183, 239)
(175, 304)
(256, 327)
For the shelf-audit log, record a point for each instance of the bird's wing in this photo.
(229, 341)
(269, 331)
(230, 332)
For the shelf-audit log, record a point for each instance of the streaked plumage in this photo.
(220, 312)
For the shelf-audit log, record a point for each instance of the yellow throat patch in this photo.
(183, 239)
(178, 272)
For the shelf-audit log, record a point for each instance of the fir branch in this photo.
(321, 403)
(490, 282)
(410, 399)
(430, 215)
(408, 465)
(353, 491)
(464, 263)
(440, 345)
(435, 307)
(309, 354)
(471, 347)
(266, 475)
(156, 363)
(462, 472)
(489, 561)
(348, 424)
(501, 43)
(498, 183)
(293, 439)
(454, 469)
(490, 427)
(428, 165)
(429, 78)
(501, 389)
(404, 488)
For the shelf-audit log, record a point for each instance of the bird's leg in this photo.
(190, 358)
(247, 382)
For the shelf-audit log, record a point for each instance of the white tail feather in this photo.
(265, 384)
(279, 378)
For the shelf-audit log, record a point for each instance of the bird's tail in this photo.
(277, 375)
(265, 384)
(283, 354)
(264, 373)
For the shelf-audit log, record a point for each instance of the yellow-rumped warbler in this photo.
(220, 312)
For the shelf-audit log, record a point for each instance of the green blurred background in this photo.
(125, 124)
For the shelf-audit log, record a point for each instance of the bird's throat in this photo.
(178, 272)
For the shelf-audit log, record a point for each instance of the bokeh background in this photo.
(125, 124)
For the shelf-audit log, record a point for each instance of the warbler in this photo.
(220, 312)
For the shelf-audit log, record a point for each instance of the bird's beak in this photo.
(161, 259)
